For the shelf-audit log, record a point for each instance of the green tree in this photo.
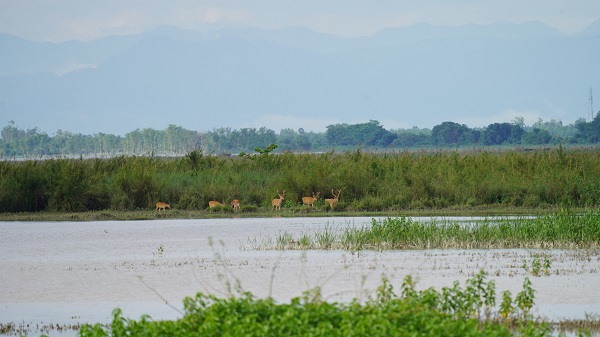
(288, 139)
(152, 141)
(411, 140)
(556, 128)
(132, 143)
(450, 133)
(367, 134)
(107, 143)
(536, 137)
(10, 137)
(502, 133)
(590, 131)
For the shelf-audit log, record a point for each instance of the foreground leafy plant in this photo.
(456, 311)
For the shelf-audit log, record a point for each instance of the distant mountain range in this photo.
(420, 75)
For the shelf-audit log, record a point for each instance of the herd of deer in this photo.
(276, 203)
(235, 204)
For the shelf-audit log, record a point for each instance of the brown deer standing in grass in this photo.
(335, 199)
(213, 203)
(276, 203)
(235, 204)
(311, 200)
(161, 205)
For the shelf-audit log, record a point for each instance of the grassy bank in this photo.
(369, 182)
(297, 211)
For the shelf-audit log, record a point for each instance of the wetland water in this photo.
(77, 272)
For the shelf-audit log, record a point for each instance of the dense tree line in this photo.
(370, 134)
(176, 140)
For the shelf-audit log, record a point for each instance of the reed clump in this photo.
(563, 229)
(369, 182)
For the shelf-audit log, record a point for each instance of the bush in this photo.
(465, 311)
(248, 209)
(190, 200)
(368, 203)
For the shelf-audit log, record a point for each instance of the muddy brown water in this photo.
(78, 272)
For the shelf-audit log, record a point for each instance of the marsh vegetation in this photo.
(369, 182)
(558, 189)
(560, 230)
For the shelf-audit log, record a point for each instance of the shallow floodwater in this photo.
(78, 272)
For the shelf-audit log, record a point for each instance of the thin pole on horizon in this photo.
(591, 99)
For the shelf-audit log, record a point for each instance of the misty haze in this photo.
(420, 75)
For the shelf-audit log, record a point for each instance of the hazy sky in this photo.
(59, 20)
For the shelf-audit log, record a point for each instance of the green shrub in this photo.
(368, 203)
(465, 311)
(248, 208)
(190, 200)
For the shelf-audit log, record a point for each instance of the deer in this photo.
(213, 203)
(161, 205)
(311, 200)
(335, 199)
(235, 204)
(276, 203)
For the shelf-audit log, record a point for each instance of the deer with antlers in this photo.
(311, 200)
(335, 199)
(276, 203)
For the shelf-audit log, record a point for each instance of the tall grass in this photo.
(562, 229)
(557, 230)
(369, 181)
